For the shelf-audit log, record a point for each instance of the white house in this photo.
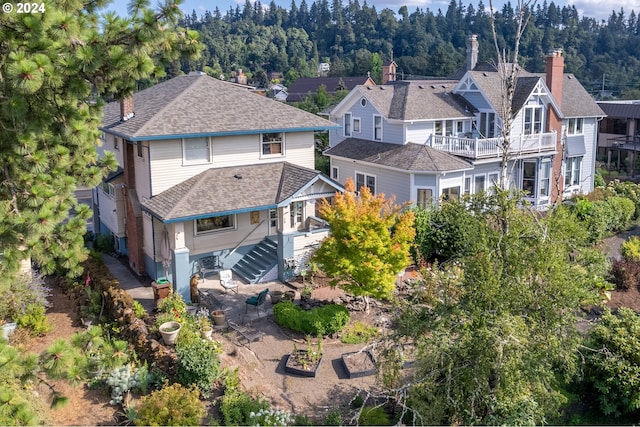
(421, 140)
(219, 170)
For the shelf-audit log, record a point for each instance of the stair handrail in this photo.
(244, 238)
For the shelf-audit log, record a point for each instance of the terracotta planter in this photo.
(218, 317)
(169, 332)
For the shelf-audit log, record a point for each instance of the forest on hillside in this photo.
(351, 37)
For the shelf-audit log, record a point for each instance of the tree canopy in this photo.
(57, 69)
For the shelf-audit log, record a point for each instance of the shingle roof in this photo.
(202, 105)
(304, 86)
(417, 100)
(626, 109)
(576, 101)
(409, 157)
(237, 188)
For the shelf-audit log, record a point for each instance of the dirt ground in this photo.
(260, 363)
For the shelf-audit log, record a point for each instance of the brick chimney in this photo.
(472, 52)
(555, 74)
(126, 108)
(554, 77)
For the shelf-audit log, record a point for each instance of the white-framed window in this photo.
(296, 211)
(196, 150)
(377, 128)
(356, 125)
(459, 127)
(572, 171)
(363, 102)
(438, 129)
(139, 149)
(447, 127)
(479, 183)
(451, 193)
(493, 180)
(364, 180)
(529, 178)
(109, 189)
(532, 120)
(272, 144)
(424, 197)
(544, 186)
(335, 173)
(574, 126)
(487, 125)
(215, 224)
(347, 124)
(273, 218)
(467, 185)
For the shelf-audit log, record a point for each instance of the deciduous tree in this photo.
(369, 242)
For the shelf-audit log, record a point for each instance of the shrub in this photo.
(198, 363)
(614, 369)
(604, 216)
(237, 405)
(173, 405)
(631, 249)
(325, 320)
(374, 416)
(621, 210)
(333, 418)
(24, 300)
(358, 333)
(625, 274)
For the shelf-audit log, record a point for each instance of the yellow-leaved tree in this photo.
(369, 242)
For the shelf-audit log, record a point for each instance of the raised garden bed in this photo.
(301, 363)
(359, 364)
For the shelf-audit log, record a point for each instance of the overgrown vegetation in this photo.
(172, 405)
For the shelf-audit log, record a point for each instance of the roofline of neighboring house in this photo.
(227, 133)
(396, 169)
(209, 215)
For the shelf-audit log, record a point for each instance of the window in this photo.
(377, 128)
(487, 125)
(363, 102)
(347, 124)
(216, 223)
(364, 180)
(532, 120)
(334, 173)
(529, 178)
(424, 197)
(297, 213)
(273, 218)
(272, 143)
(479, 183)
(615, 126)
(572, 171)
(356, 125)
(459, 127)
(574, 127)
(438, 128)
(196, 150)
(449, 127)
(493, 180)
(545, 179)
(467, 185)
(139, 148)
(451, 193)
(108, 189)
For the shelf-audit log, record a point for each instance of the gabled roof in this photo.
(195, 105)
(219, 191)
(304, 86)
(576, 101)
(417, 100)
(409, 157)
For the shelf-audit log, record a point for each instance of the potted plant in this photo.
(218, 317)
(289, 295)
(205, 328)
(305, 362)
(169, 332)
(276, 296)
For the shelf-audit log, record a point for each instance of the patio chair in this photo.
(227, 282)
(256, 300)
(209, 264)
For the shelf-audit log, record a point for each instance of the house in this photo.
(306, 86)
(422, 140)
(619, 135)
(209, 169)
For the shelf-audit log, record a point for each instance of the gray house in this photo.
(553, 135)
(211, 170)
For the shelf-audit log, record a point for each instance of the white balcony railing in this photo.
(492, 147)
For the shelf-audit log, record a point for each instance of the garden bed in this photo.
(359, 364)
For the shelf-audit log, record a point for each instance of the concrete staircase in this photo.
(258, 261)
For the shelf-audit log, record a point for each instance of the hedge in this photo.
(325, 320)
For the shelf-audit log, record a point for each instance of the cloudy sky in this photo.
(598, 9)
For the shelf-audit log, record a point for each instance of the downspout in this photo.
(153, 236)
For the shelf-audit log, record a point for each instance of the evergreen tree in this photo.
(57, 67)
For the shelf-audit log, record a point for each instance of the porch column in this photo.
(181, 264)
(285, 250)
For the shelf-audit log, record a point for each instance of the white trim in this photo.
(218, 230)
(366, 175)
(381, 127)
(337, 174)
(484, 182)
(347, 125)
(353, 125)
(434, 197)
(282, 146)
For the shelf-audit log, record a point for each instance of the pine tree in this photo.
(57, 68)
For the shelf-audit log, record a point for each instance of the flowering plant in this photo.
(271, 417)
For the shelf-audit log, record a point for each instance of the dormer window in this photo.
(272, 144)
(533, 120)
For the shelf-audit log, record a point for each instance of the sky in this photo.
(598, 9)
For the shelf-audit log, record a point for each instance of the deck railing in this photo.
(492, 147)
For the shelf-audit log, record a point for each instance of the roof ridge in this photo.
(280, 184)
(167, 105)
